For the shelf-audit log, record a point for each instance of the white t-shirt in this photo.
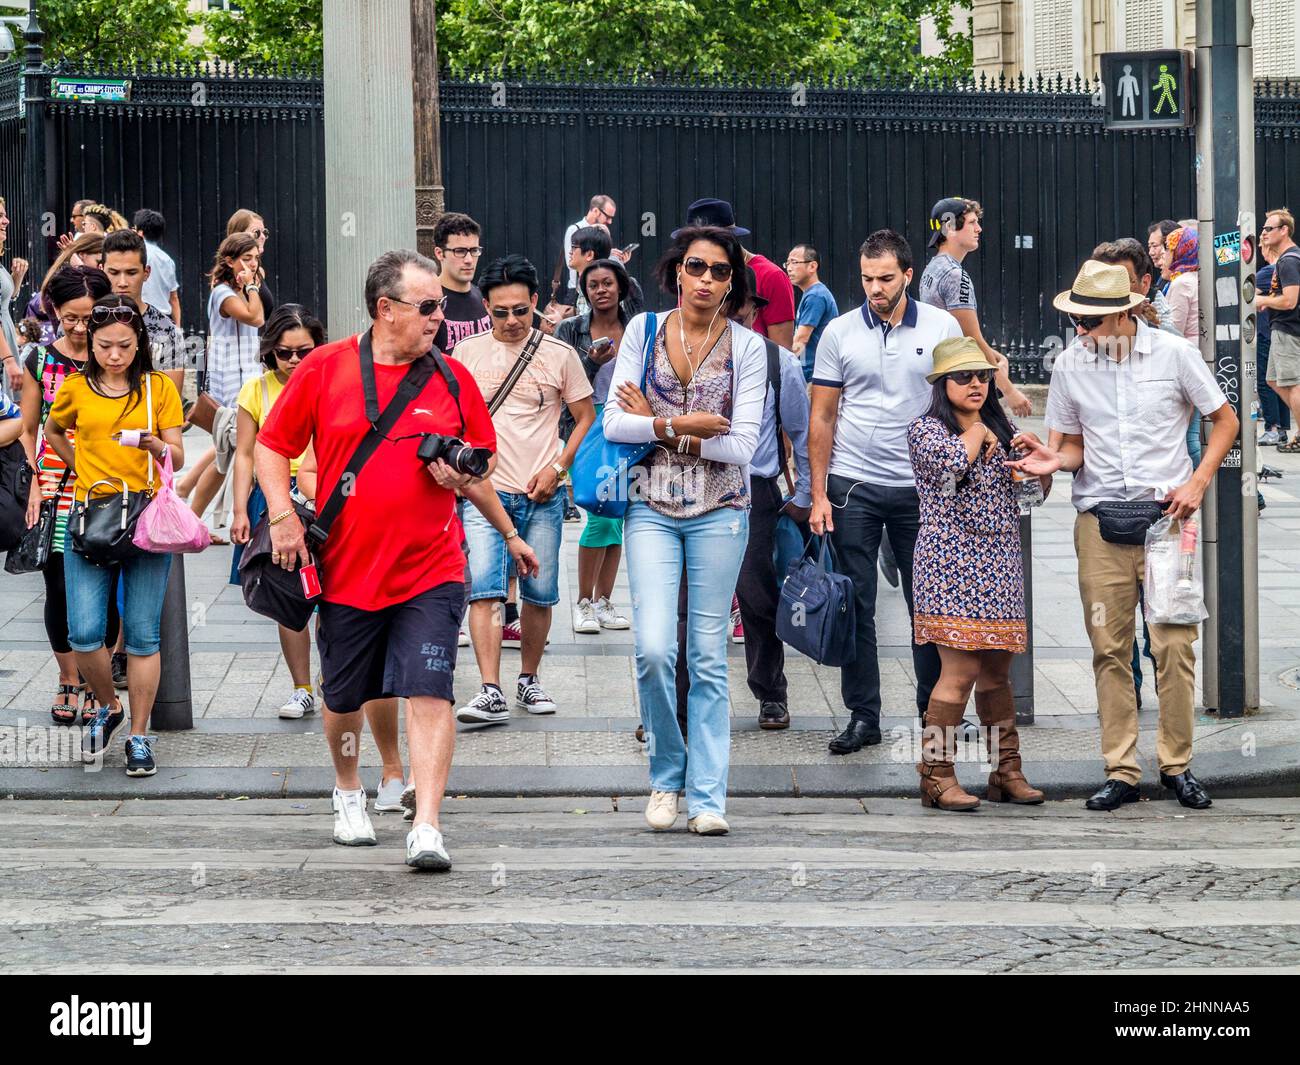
(161, 282)
(1132, 415)
(880, 372)
(581, 223)
(232, 350)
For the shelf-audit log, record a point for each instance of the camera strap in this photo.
(516, 372)
(417, 376)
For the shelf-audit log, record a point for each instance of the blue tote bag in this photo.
(601, 469)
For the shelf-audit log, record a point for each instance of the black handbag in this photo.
(102, 528)
(32, 553)
(270, 589)
(15, 489)
(1127, 523)
(815, 615)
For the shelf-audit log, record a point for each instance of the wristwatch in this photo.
(669, 432)
(511, 535)
(560, 471)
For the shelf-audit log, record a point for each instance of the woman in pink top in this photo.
(1182, 262)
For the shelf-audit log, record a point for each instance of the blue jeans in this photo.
(144, 583)
(712, 545)
(490, 565)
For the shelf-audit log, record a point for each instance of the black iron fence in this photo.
(823, 164)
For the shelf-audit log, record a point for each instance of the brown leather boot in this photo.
(939, 787)
(997, 710)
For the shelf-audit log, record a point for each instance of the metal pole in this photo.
(173, 706)
(1022, 666)
(1225, 146)
(35, 201)
(429, 193)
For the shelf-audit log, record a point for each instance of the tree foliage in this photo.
(117, 31)
(270, 31)
(879, 38)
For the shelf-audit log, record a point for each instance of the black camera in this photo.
(455, 453)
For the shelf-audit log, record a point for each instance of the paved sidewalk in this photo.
(239, 746)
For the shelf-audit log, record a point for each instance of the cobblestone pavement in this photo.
(580, 883)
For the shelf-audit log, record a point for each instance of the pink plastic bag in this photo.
(168, 526)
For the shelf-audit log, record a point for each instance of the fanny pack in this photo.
(1127, 523)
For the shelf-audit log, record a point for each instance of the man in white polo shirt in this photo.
(868, 384)
(1121, 398)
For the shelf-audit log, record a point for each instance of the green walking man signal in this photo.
(1146, 90)
(1167, 86)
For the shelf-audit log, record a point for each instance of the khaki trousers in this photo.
(1110, 576)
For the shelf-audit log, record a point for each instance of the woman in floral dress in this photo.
(967, 584)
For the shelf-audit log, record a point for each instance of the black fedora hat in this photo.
(711, 212)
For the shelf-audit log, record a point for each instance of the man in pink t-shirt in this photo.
(776, 319)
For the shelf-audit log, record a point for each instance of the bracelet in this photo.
(683, 444)
(280, 517)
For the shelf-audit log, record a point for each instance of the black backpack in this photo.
(15, 486)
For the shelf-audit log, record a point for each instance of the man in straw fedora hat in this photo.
(1121, 397)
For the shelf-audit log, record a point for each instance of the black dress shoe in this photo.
(1188, 789)
(773, 716)
(1113, 794)
(858, 735)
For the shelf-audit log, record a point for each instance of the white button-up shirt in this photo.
(1132, 414)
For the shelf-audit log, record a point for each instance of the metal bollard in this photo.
(173, 708)
(1022, 666)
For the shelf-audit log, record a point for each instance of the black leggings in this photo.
(56, 608)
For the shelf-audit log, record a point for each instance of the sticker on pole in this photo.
(1146, 90)
(1227, 247)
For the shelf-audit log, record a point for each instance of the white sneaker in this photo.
(389, 798)
(408, 802)
(352, 827)
(488, 707)
(584, 617)
(708, 825)
(424, 849)
(608, 617)
(531, 696)
(661, 810)
(299, 703)
(462, 639)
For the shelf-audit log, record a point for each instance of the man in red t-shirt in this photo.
(776, 319)
(392, 568)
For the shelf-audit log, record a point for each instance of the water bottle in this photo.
(1029, 489)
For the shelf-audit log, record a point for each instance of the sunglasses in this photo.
(104, 315)
(964, 377)
(425, 307)
(1269, 229)
(511, 312)
(697, 267)
(1086, 322)
(289, 353)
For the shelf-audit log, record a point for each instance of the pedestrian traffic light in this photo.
(1147, 90)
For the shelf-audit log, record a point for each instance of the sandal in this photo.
(1291, 447)
(89, 705)
(65, 713)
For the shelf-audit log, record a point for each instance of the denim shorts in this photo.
(490, 564)
(143, 582)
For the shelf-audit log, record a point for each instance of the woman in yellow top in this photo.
(289, 336)
(117, 392)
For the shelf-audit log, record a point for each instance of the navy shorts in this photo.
(402, 650)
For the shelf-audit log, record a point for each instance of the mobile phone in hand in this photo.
(630, 249)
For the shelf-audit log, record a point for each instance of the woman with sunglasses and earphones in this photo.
(705, 382)
(291, 334)
(969, 596)
(126, 415)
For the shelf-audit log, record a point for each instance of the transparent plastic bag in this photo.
(1173, 588)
